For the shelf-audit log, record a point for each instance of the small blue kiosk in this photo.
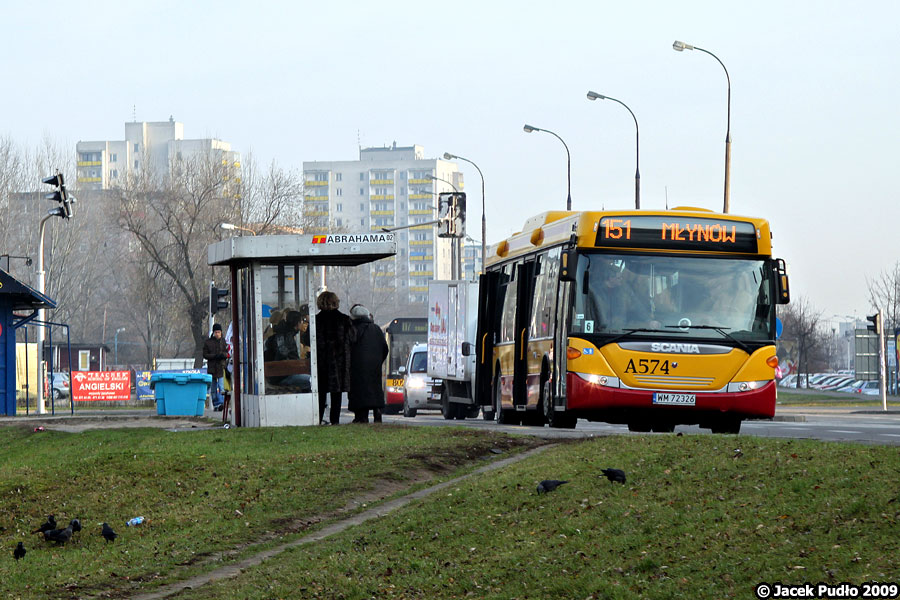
(14, 296)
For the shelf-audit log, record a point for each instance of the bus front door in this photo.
(524, 296)
(489, 306)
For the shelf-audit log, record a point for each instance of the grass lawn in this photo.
(205, 495)
(701, 516)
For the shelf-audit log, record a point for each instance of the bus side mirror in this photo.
(783, 288)
(467, 349)
(401, 370)
(568, 265)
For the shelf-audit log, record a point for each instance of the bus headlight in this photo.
(745, 386)
(601, 380)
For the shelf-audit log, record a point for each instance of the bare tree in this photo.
(174, 217)
(803, 332)
(884, 294)
(271, 199)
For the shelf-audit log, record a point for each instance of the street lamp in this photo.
(680, 47)
(529, 129)
(637, 146)
(433, 178)
(448, 156)
(231, 226)
(116, 345)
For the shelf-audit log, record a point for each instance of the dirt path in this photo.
(381, 510)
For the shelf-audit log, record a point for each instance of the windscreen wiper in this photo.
(629, 332)
(718, 329)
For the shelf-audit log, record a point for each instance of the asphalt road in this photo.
(846, 424)
(831, 424)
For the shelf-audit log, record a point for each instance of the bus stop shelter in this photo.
(271, 276)
(15, 296)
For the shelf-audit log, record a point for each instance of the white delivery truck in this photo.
(452, 324)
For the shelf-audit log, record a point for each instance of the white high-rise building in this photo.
(386, 188)
(155, 145)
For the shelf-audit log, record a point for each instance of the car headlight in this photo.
(415, 383)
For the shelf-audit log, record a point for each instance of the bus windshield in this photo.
(678, 296)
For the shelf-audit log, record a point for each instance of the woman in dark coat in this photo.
(334, 335)
(366, 355)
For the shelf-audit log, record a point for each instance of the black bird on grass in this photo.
(108, 533)
(19, 552)
(614, 475)
(47, 526)
(76, 525)
(548, 485)
(60, 536)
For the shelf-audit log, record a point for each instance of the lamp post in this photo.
(116, 345)
(457, 259)
(232, 226)
(637, 146)
(40, 330)
(448, 156)
(680, 47)
(528, 129)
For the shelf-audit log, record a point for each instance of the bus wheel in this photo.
(555, 419)
(503, 417)
(471, 412)
(730, 425)
(407, 410)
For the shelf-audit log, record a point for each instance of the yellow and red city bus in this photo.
(649, 318)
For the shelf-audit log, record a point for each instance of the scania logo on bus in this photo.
(672, 347)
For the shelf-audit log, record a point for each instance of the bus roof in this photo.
(679, 230)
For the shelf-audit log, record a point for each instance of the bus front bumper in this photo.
(586, 398)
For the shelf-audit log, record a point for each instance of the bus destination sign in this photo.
(677, 233)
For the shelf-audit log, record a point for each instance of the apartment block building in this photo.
(154, 145)
(388, 187)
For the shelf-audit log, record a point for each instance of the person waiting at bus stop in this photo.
(367, 356)
(215, 353)
(282, 345)
(334, 337)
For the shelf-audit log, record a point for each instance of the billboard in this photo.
(103, 386)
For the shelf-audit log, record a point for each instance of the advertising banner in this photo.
(142, 385)
(104, 386)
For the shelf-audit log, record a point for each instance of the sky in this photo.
(814, 102)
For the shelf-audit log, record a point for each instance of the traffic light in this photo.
(875, 327)
(452, 214)
(217, 299)
(458, 210)
(60, 195)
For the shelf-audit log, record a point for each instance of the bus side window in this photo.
(508, 317)
(537, 300)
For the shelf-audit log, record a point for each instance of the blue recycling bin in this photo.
(182, 394)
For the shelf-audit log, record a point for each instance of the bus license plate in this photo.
(680, 399)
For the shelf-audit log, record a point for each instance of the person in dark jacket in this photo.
(334, 336)
(282, 345)
(367, 354)
(216, 354)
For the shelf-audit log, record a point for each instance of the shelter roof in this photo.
(20, 295)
